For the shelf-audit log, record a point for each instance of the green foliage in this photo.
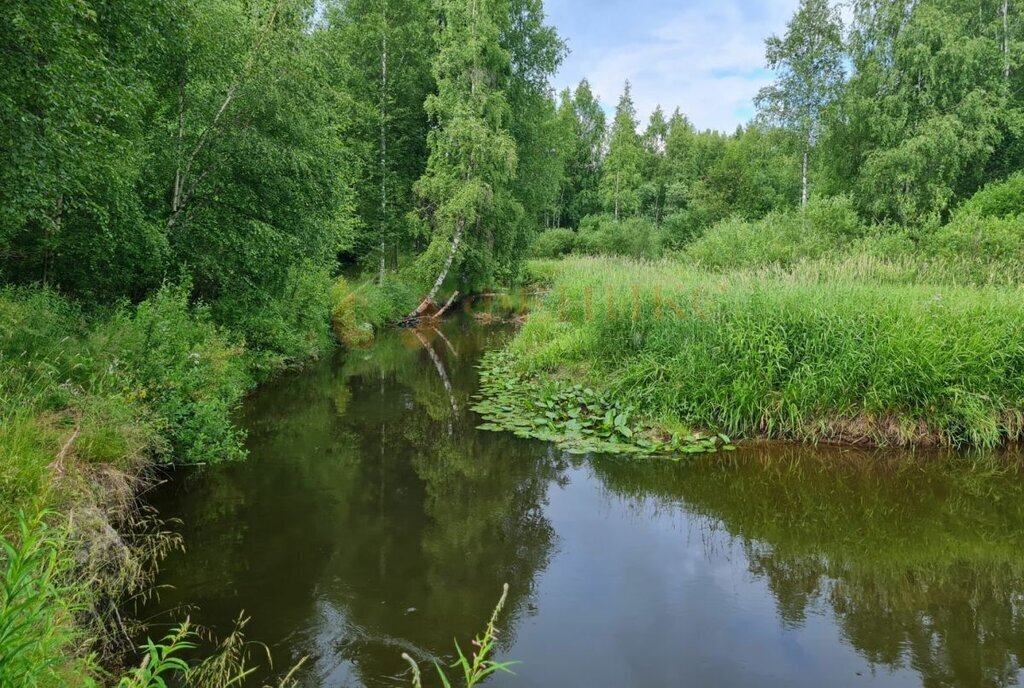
(479, 666)
(553, 243)
(621, 174)
(576, 418)
(379, 53)
(155, 380)
(583, 125)
(635, 237)
(37, 631)
(194, 139)
(282, 329)
(188, 371)
(822, 358)
(781, 238)
(996, 240)
(932, 109)
(1002, 200)
(347, 329)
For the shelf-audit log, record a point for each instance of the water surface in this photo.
(372, 519)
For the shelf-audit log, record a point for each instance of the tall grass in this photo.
(87, 403)
(784, 354)
(478, 666)
(37, 630)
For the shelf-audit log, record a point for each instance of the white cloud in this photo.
(707, 58)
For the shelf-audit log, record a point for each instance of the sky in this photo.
(704, 56)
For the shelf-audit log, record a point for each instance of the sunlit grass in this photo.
(807, 353)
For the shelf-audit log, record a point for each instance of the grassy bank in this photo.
(90, 401)
(815, 353)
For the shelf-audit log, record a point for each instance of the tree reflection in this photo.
(372, 518)
(917, 557)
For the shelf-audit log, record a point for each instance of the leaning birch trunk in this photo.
(429, 298)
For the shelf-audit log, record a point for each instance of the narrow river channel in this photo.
(372, 518)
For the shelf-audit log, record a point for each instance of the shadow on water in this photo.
(373, 518)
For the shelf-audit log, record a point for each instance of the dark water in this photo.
(373, 519)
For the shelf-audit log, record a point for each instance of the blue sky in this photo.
(704, 56)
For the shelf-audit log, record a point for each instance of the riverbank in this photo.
(90, 403)
(811, 353)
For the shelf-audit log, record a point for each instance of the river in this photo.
(372, 518)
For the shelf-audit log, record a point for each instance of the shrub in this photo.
(997, 200)
(780, 238)
(777, 239)
(834, 216)
(553, 243)
(635, 237)
(992, 238)
(185, 368)
(285, 328)
(356, 311)
(347, 328)
(681, 227)
(539, 271)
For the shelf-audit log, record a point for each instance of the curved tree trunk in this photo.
(429, 298)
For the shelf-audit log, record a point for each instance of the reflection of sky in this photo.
(704, 56)
(634, 598)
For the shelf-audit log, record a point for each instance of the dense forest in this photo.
(196, 194)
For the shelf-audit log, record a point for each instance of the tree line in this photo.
(249, 148)
(907, 109)
(252, 148)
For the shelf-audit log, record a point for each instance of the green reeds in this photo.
(786, 354)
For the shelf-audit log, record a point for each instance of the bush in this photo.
(356, 311)
(681, 227)
(781, 238)
(286, 328)
(998, 200)
(634, 237)
(553, 243)
(992, 238)
(347, 327)
(834, 216)
(184, 368)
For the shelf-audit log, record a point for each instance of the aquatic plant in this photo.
(478, 666)
(577, 418)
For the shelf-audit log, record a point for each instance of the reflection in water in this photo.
(918, 559)
(374, 519)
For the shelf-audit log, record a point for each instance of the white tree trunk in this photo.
(1006, 39)
(184, 186)
(429, 298)
(803, 187)
(616, 195)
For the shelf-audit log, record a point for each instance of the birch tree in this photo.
(808, 61)
(621, 173)
(471, 152)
